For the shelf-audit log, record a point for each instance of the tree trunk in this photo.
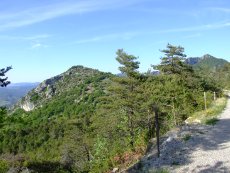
(155, 109)
(205, 101)
(174, 114)
(131, 128)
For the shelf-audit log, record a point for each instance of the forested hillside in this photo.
(214, 70)
(84, 120)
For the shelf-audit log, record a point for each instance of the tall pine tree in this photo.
(173, 61)
(125, 92)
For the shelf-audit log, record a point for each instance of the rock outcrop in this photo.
(57, 85)
(27, 106)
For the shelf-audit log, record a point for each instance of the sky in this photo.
(41, 39)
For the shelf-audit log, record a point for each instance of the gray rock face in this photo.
(48, 83)
(45, 90)
(50, 91)
(192, 60)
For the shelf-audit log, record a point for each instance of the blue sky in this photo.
(43, 38)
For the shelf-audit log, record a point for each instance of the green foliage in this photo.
(35, 97)
(46, 166)
(3, 80)
(213, 110)
(90, 121)
(60, 131)
(213, 71)
(129, 65)
(222, 76)
(173, 61)
(186, 137)
(4, 166)
(100, 161)
(124, 93)
(211, 121)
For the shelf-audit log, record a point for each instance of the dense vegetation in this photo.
(90, 121)
(212, 69)
(222, 76)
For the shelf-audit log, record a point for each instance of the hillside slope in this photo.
(55, 133)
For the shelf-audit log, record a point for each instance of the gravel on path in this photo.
(193, 148)
(209, 152)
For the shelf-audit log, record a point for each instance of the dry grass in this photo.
(211, 113)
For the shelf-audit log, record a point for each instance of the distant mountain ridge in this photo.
(207, 62)
(22, 84)
(14, 92)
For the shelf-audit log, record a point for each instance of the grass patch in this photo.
(210, 115)
(175, 163)
(211, 121)
(186, 137)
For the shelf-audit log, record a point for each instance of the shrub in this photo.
(4, 166)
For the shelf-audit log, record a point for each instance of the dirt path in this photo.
(210, 151)
(193, 148)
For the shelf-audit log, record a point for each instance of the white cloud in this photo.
(121, 36)
(196, 28)
(35, 37)
(131, 35)
(192, 36)
(219, 9)
(34, 15)
(38, 46)
(25, 38)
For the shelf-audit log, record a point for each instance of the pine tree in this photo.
(173, 61)
(177, 81)
(3, 80)
(125, 92)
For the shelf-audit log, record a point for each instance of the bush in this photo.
(4, 166)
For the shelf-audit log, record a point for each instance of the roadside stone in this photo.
(115, 170)
(13, 170)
